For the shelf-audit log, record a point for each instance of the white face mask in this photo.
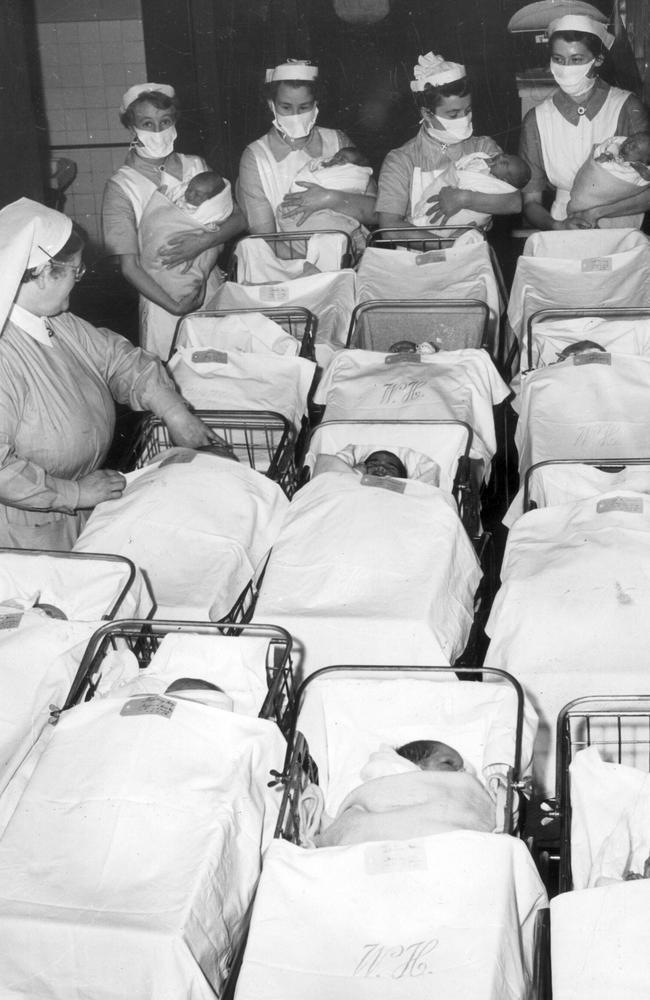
(573, 80)
(296, 126)
(455, 130)
(155, 145)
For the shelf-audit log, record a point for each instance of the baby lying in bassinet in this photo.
(380, 464)
(490, 174)
(421, 788)
(615, 169)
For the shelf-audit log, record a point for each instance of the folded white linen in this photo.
(253, 333)
(196, 524)
(570, 617)
(133, 854)
(604, 178)
(354, 583)
(450, 915)
(561, 484)
(258, 263)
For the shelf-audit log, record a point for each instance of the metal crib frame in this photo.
(419, 237)
(296, 243)
(264, 432)
(575, 725)
(606, 313)
(611, 464)
(300, 768)
(438, 312)
(85, 557)
(143, 637)
(298, 322)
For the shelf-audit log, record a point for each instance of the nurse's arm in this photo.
(299, 205)
(134, 273)
(185, 246)
(491, 204)
(632, 205)
(539, 217)
(394, 223)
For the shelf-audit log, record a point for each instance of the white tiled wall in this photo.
(86, 66)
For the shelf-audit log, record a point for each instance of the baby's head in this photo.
(636, 148)
(385, 463)
(580, 347)
(204, 692)
(347, 154)
(511, 169)
(203, 186)
(432, 755)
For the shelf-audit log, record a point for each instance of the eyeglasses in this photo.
(79, 271)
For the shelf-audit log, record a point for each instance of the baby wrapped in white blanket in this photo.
(615, 169)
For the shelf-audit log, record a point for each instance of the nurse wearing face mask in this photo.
(149, 112)
(441, 92)
(559, 134)
(269, 165)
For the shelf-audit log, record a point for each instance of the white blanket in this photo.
(461, 272)
(331, 297)
(574, 268)
(233, 380)
(448, 916)
(84, 589)
(131, 858)
(468, 173)
(257, 261)
(561, 484)
(353, 582)
(347, 718)
(571, 616)
(254, 333)
(620, 336)
(599, 943)
(236, 664)
(198, 527)
(452, 385)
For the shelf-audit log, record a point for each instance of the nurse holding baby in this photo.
(558, 136)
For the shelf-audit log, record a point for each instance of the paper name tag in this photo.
(596, 264)
(151, 704)
(629, 505)
(10, 621)
(210, 355)
(430, 257)
(384, 483)
(407, 357)
(592, 358)
(382, 858)
(274, 293)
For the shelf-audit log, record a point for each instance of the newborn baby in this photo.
(634, 150)
(206, 197)
(615, 169)
(383, 463)
(432, 755)
(580, 347)
(203, 692)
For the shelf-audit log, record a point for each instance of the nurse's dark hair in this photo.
(73, 245)
(315, 87)
(591, 42)
(159, 100)
(431, 97)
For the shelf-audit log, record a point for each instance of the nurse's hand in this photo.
(105, 484)
(587, 219)
(188, 431)
(182, 248)
(446, 203)
(299, 205)
(192, 301)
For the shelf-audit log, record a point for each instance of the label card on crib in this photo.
(210, 355)
(384, 483)
(150, 704)
(597, 264)
(430, 257)
(593, 358)
(274, 293)
(629, 505)
(10, 620)
(395, 857)
(405, 357)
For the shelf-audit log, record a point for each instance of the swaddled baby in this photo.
(499, 173)
(419, 789)
(615, 169)
(207, 198)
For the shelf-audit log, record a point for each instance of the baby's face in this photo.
(342, 157)
(443, 758)
(636, 148)
(198, 191)
(505, 168)
(384, 463)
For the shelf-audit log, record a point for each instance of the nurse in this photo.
(149, 111)
(269, 165)
(441, 92)
(559, 134)
(60, 377)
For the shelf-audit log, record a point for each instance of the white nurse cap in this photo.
(30, 234)
(436, 71)
(580, 22)
(144, 88)
(292, 69)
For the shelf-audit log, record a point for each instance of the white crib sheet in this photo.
(257, 261)
(450, 915)
(573, 269)
(353, 582)
(237, 664)
(331, 297)
(599, 943)
(132, 856)
(460, 272)
(561, 484)
(198, 529)
(250, 332)
(452, 385)
(347, 718)
(239, 381)
(620, 336)
(571, 616)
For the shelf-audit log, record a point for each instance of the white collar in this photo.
(33, 325)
